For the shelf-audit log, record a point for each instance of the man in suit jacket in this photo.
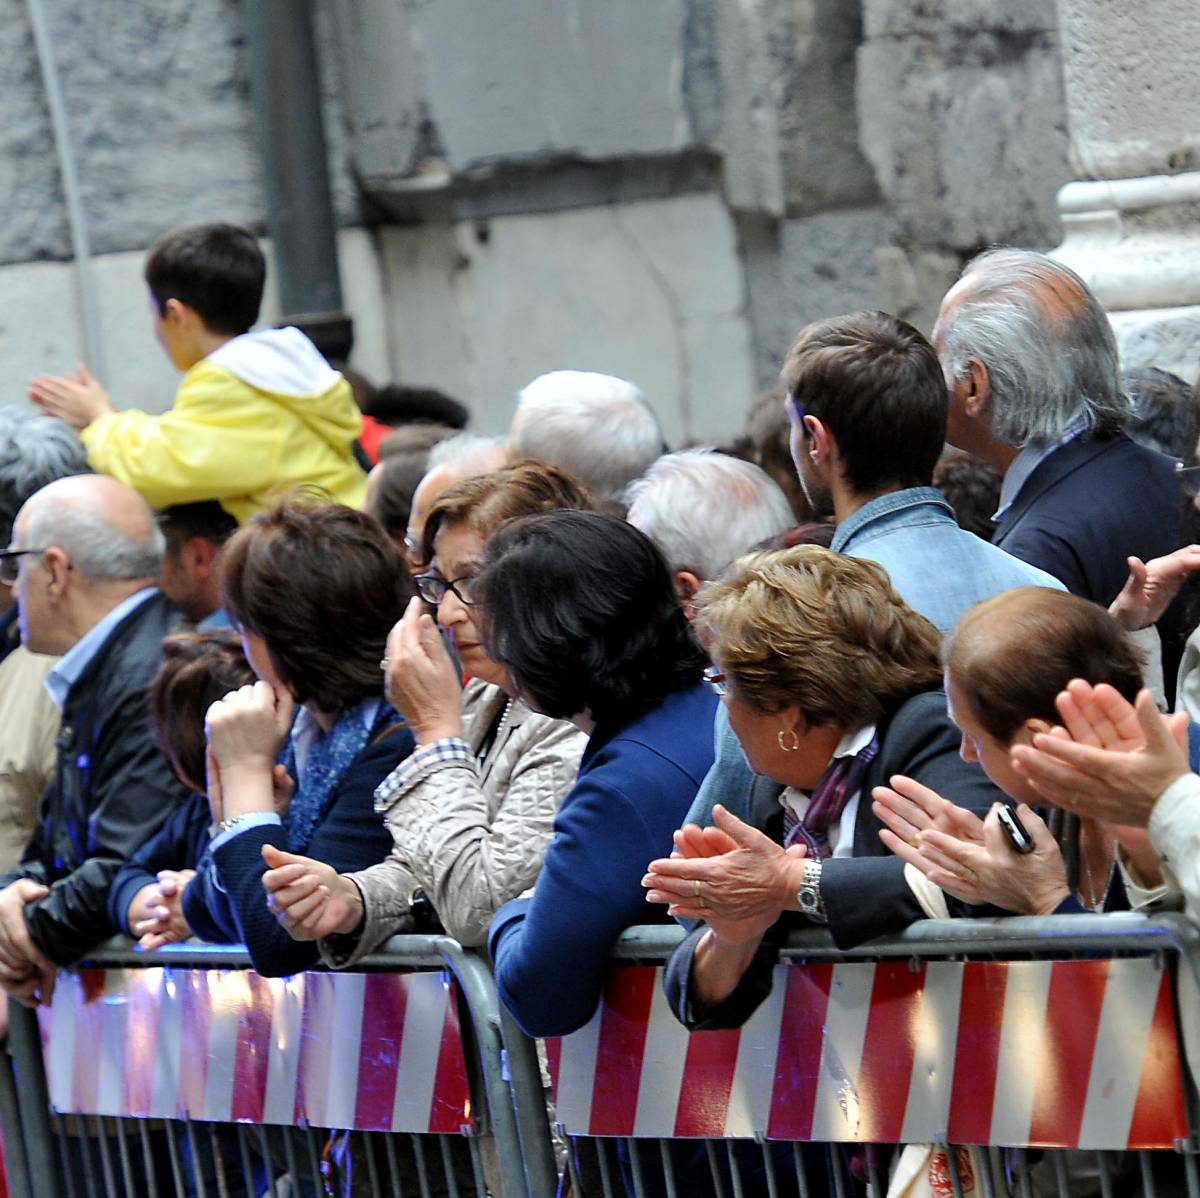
(1035, 390)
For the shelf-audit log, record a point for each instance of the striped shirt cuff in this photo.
(449, 749)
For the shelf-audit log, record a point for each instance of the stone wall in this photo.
(666, 190)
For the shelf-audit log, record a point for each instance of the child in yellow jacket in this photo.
(255, 414)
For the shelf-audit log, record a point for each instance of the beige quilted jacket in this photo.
(471, 835)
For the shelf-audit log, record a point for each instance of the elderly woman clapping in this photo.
(832, 685)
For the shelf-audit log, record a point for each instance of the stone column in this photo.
(1131, 225)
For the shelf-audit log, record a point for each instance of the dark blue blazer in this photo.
(226, 902)
(634, 788)
(1087, 507)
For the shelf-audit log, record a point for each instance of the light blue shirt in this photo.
(1028, 460)
(939, 570)
(72, 664)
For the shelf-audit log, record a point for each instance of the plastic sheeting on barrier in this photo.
(230, 1046)
(1080, 1053)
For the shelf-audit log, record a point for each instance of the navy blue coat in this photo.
(634, 788)
(226, 902)
(1087, 507)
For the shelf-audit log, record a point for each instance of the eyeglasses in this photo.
(1188, 478)
(433, 587)
(10, 563)
(716, 680)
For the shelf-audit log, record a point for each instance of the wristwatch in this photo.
(808, 897)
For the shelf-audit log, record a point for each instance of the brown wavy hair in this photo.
(197, 669)
(322, 585)
(524, 487)
(826, 632)
(1012, 654)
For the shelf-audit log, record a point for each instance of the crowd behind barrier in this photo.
(1020, 1056)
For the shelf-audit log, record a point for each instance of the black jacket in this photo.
(111, 791)
(864, 895)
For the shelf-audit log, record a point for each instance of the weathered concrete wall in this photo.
(653, 291)
(157, 98)
(667, 190)
(963, 117)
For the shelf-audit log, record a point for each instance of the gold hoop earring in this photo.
(795, 740)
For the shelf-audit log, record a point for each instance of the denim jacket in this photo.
(939, 569)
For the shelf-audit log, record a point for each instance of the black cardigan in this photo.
(866, 894)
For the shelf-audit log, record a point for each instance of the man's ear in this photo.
(201, 554)
(977, 388)
(820, 440)
(686, 586)
(58, 569)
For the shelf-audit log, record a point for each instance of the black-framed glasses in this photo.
(10, 563)
(433, 587)
(1188, 478)
(716, 680)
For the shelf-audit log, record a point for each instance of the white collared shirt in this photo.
(841, 838)
(1032, 455)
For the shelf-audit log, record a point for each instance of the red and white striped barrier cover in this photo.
(1037, 1053)
(379, 1052)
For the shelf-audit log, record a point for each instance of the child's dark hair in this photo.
(216, 270)
(197, 669)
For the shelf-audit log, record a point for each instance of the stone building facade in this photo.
(665, 190)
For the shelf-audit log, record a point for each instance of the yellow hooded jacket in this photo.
(261, 415)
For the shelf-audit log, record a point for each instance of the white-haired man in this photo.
(1035, 390)
(83, 562)
(597, 427)
(450, 462)
(703, 510)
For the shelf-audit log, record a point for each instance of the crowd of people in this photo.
(536, 689)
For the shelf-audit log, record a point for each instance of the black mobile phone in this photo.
(1018, 837)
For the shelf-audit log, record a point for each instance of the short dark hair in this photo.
(396, 405)
(197, 669)
(183, 521)
(1164, 415)
(972, 488)
(322, 585)
(395, 481)
(875, 382)
(216, 270)
(581, 609)
(1012, 654)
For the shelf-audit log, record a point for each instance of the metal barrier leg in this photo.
(16, 1164)
(529, 1104)
(479, 989)
(33, 1099)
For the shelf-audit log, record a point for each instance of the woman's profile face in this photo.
(981, 746)
(457, 554)
(259, 657)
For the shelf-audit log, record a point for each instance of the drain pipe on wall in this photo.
(89, 308)
(286, 88)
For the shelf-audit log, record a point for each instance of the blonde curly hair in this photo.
(826, 632)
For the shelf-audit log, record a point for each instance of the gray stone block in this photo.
(804, 269)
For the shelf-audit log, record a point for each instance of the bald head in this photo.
(105, 528)
(451, 463)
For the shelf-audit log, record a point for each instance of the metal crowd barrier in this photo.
(182, 1072)
(1017, 1056)
(1024, 1057)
